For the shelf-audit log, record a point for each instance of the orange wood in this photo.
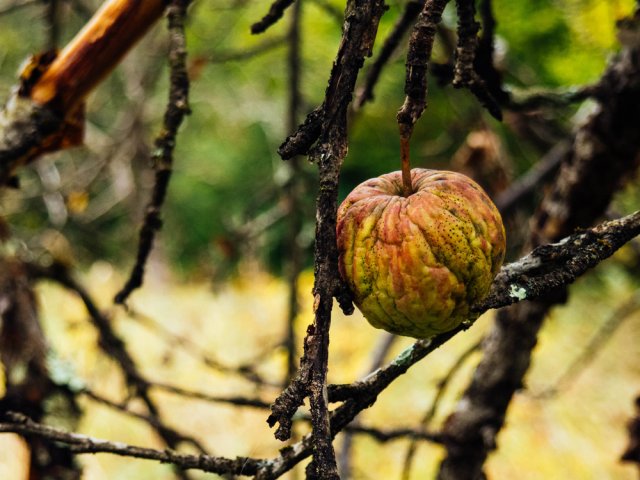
(95, 51)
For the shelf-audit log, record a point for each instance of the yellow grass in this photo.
(578, 434)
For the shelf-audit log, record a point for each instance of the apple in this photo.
(415, 264)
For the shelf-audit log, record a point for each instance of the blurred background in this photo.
(230, 274)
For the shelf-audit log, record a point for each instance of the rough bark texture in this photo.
(359, 33)
(418, 56)
(605, 151)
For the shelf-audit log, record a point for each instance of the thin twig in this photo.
(177, 108)
(390, 46)
(418, 56)
(275, 13)
(78, 443)
(292, 192)
(233, 56)
(543, 170)
(231, 400)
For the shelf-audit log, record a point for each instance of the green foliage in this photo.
(227, 172)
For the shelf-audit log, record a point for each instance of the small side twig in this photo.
(465, 73)
(418, 56)
(543, 170)
(275, 13)
(177, 108)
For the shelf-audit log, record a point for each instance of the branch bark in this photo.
(46, 112)
(359, 32)
(604, 152)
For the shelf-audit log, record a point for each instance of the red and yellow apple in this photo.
(415, 264)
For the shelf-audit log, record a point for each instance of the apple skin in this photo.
(416, 264)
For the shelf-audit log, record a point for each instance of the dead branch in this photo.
(418, 56)
(604, 152)
(18, 423)
(359, 32)
(177, 108)
(275, 13)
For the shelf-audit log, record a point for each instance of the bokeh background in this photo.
(219, 278)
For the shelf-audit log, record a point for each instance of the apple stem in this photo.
(407, 188)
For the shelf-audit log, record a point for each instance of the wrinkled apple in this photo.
(416, 264)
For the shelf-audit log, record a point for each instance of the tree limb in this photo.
(78, 443)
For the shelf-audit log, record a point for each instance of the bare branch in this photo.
(365, 93)
(275, 13)
(465, 73)
(20, 424)
(359, 32)
(418, 56)
(177, 108)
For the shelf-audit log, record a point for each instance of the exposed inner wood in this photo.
(95, 51)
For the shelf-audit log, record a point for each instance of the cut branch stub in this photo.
(95, 51)
(46, 113)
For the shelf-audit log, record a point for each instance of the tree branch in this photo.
(275, 13)
(605, 151)
(177, 108)
(78, 443)
(47, 113)
(359, 32)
